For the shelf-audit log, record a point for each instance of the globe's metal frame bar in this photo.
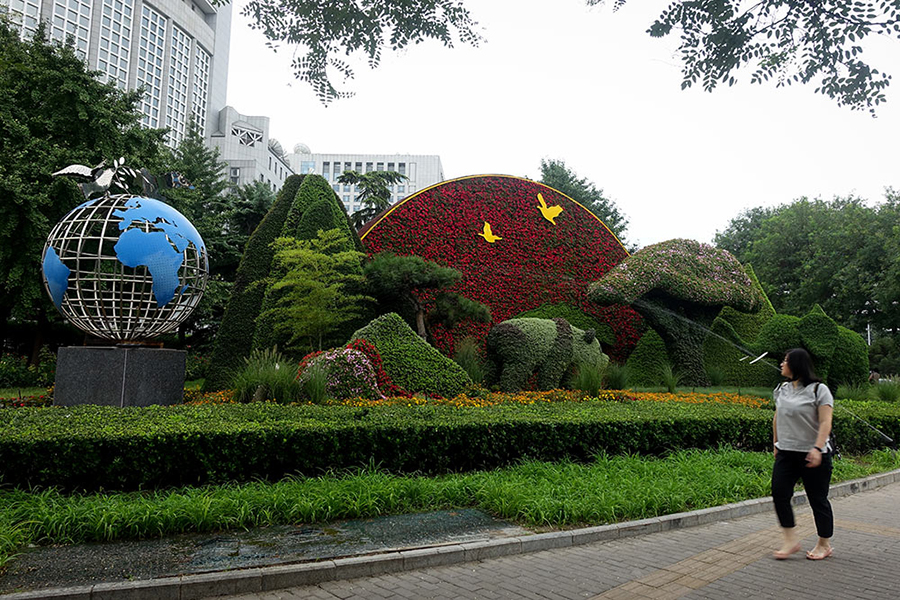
(108, 299)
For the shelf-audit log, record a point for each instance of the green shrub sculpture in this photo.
(315, 208)
(576, 318)
(234, 341)
(646, 362)
(517, 349)
(411, 362)
(679, 287)
(719, 353)
(840, 355)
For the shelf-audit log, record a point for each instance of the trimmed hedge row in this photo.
(92, 447)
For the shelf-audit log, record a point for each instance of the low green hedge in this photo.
(92, 447)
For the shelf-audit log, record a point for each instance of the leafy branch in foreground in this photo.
(327, 28)
(789, 41)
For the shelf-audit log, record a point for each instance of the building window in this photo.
(308, 166)
(358, 168)
(177, 93)
(23, 15)
(400, 189)
(390, 167)
(380, 167)
(202, 59)
(115, 41)
(369, 167)
(401, 168)
(346, 188)
(72, 18)
(326, 168)
(149, 65)
(336, 187)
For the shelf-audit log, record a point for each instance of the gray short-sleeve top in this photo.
(797, 410)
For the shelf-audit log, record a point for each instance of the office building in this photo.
(245, 146)
(176, 49)
(421, 171)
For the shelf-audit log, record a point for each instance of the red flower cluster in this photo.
(385, 385)
(534, 262)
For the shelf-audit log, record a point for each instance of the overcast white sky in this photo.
(557, 79)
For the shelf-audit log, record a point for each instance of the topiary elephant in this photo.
(552, 348)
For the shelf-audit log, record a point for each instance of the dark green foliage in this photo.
(555, 174)
(721, 356)
(315, 208)
(411, 362)
(884, 356)
(576, 318)
(818, 332)
(395, 282)
(53, 113)
(779, 334)
(518, 349)
(647, 360)
(831, 346)
(841, 254)
(787, 41)
(375, 192)
(850, 364)
(143, 448)
(235, 338)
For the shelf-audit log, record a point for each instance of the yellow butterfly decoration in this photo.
(488, 235)
(549, 212)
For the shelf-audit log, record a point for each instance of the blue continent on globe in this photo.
(160, 251)
(57, 275)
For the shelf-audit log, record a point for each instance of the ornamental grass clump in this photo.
(670, 378)
(854, 392)
(468, 357)
(267, 375)
(616, 377)
(587, 379)
(888, 390)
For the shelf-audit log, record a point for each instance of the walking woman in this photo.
(801, 428)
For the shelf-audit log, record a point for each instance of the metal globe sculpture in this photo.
(124, 267)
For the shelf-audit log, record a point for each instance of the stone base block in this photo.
(119, 376)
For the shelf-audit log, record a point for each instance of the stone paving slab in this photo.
(724, 552)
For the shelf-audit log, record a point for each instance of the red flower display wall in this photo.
(537, 256)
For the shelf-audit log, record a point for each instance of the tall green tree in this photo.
(53, 113)
(786, 41)
(401, 282)
(315, 297)
(249, 205)
(375, 192)
(205, 202)
(833, 253)
(557, 175)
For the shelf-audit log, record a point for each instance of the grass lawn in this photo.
(536, 494)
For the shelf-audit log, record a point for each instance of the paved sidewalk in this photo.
(724, 559)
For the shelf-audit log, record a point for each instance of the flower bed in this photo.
(534, 261)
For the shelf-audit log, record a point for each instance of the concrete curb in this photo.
(245, 581)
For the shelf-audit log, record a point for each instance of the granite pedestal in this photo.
(119, 376)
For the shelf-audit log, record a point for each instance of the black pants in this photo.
(791, 467)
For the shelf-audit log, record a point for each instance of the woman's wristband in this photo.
(819, 449)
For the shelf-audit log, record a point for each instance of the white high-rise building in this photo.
(176, 49)
(245, 146)
(421, 171)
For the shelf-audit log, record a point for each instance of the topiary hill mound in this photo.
(411, 362)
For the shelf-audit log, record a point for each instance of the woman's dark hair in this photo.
(801, 366)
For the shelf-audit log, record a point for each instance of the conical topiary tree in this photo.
(234, 340)
(315, 208)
